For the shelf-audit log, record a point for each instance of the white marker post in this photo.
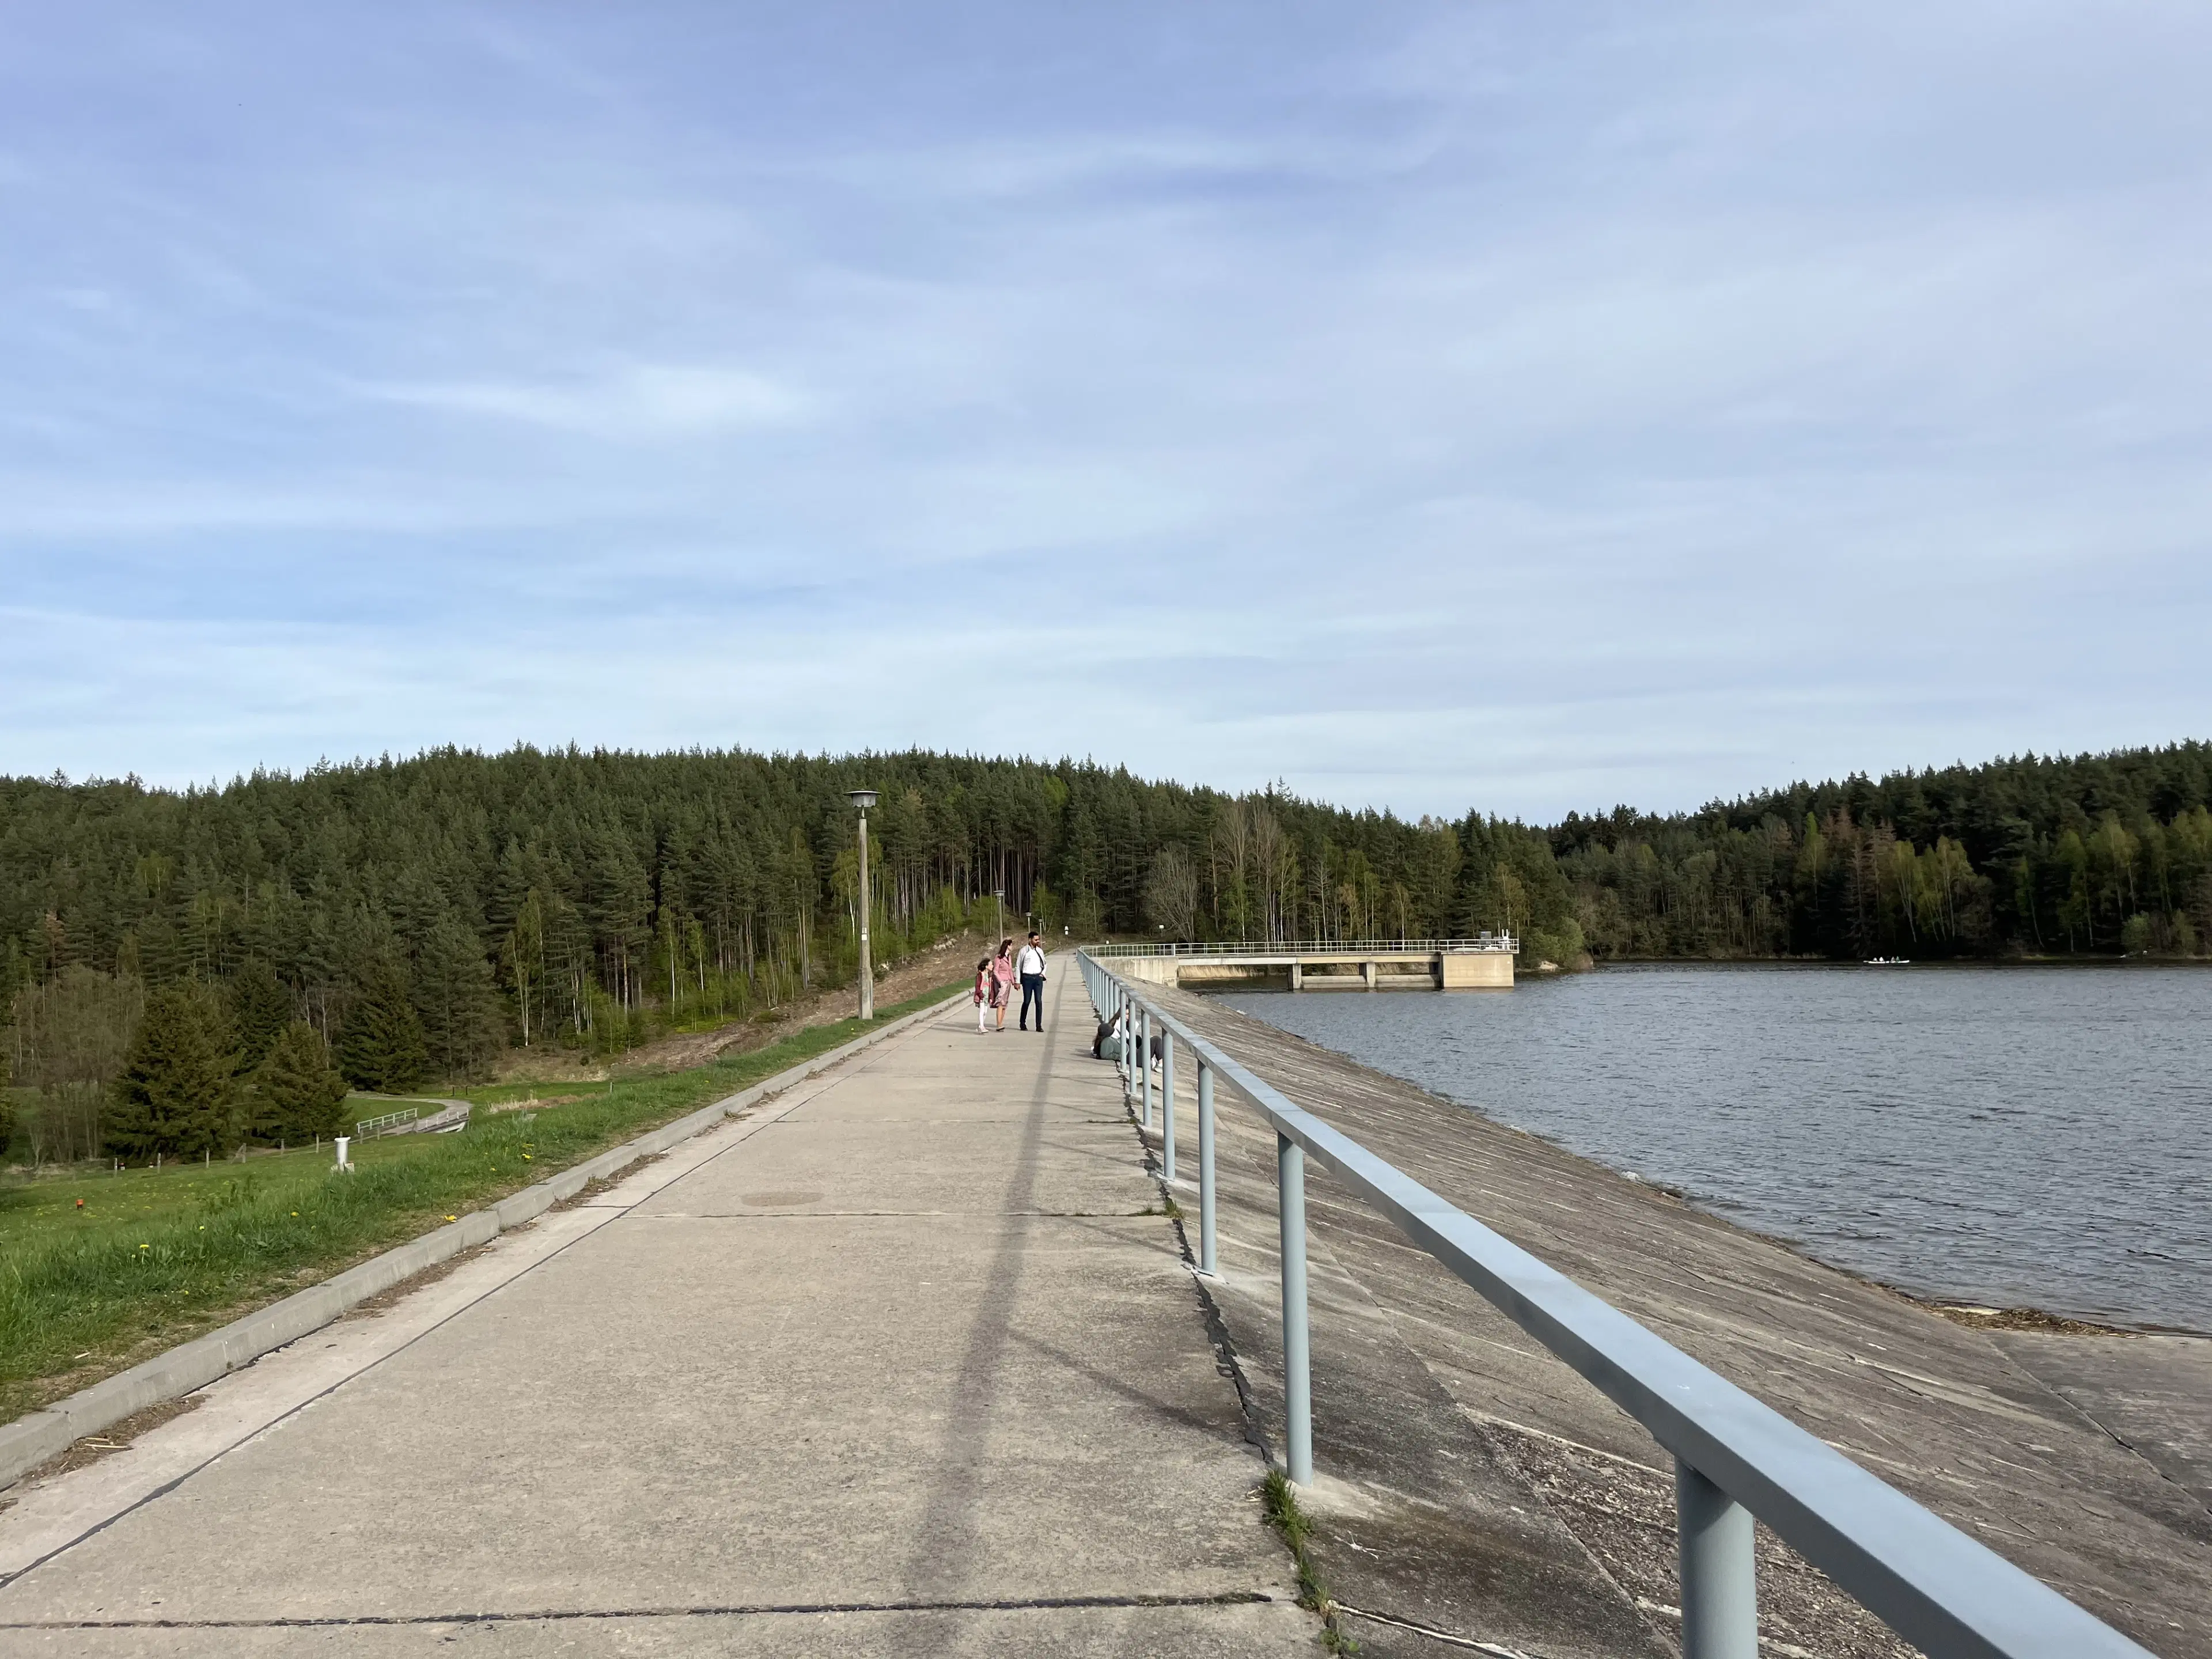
(342, 1143)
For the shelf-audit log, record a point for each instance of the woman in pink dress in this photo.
(1002, 979)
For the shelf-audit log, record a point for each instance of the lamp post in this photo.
(1000, 893)
(863, 798)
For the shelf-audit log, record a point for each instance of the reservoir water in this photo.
(2010, 1137)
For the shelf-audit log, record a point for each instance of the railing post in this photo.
(1167, 1105)
(1205, 1168)
(1720, 1582)
(1114, 1021)
(1298, 1373)
(1129, 1047)
(1145, 1062)
(1128, 1030)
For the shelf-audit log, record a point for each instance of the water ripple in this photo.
(2012, 1137)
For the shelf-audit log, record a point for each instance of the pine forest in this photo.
(384, 925)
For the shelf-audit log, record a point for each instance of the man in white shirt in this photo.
(1030, 964)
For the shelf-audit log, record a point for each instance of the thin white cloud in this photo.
(154, 511)
(1007, 172)
(1427, 405)
(636, 402)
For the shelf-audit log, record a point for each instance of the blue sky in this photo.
(1432, 406)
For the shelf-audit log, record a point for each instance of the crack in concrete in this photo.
(736, 1609)
(903, 1215)
(1434, 1635)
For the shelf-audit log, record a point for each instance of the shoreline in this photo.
(1973, 1315)
(1814, 964)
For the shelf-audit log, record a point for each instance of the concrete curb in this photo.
(32, 1439)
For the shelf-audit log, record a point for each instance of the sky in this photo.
(1522, 407)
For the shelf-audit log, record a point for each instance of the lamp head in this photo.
(863, 798)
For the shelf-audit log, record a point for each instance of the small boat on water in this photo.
(1888, 962)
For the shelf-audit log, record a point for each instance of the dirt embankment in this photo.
(949, 959)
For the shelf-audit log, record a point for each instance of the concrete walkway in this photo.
(900, 1362)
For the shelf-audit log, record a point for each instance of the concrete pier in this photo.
(1459, 966)
(907, 1360)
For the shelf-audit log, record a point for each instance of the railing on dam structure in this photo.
(1480, 944)
(1735, 1458)
(1484, 961)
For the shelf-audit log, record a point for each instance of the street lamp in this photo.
(1000, 893)
(863, 798)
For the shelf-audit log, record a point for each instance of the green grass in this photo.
(1280, 1501)
(157, 1256)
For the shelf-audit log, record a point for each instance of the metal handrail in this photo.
(1498, 942)
(370, 1127)
(1735, 1457)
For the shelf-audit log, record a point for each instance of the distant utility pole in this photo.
(863, 798)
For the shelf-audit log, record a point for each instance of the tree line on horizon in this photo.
(383, 924)
(2093, 855)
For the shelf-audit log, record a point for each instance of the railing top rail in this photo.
(1941, 1590)
(377, 1125)
(1503, 943)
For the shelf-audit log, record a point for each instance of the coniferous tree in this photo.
(457, 1002)
(299, 1094)
(177, 1094)
(381, 1047)
(260, 1008)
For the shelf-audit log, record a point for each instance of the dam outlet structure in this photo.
(1484, 963)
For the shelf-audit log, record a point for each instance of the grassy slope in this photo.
(155, 1257)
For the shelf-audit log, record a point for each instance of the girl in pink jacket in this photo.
(1002, 979)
